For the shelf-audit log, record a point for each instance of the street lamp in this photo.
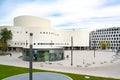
(26, 43)
(51, 43)
(94, 48)
(71, 50)
(31, 57)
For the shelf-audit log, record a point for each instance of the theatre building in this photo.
(48, 43)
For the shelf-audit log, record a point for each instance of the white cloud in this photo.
(72, 11)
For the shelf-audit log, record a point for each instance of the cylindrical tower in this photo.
(31, 21)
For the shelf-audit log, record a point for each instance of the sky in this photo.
(65, 14)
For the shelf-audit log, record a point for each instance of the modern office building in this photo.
(107, 35)
(46, 39)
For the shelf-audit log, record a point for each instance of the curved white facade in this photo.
(43, 35)
(29, 21)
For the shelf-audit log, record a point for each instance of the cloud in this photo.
(65, 13)
(111, 3)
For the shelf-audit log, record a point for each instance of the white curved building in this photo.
(44, 36)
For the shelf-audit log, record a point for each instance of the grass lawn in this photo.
(6, 71)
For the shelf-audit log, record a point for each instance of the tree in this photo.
(3, 46)
(108, 44)
(102, 44)
(6, 35)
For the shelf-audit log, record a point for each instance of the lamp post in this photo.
(51, 43)
(94, 48)
(26, 43)
(71, 50)
(31, 57)
(26, 47)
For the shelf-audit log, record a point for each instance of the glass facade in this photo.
(44, 54)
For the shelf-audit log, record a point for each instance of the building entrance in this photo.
(44, 54)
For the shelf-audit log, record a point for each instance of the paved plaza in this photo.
(102, 63)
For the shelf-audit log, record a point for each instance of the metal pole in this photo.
(31, 57)
(94, 52)
(51, 43)
(94, 48)
(26, 48)
(26, 43)
(71, 50)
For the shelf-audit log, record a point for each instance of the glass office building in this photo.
(106, 35)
